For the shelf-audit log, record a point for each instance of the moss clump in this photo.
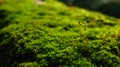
(48, 35)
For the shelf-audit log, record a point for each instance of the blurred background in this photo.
(108, 7)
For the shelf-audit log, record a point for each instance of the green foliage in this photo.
(56, 36)
(29, 64)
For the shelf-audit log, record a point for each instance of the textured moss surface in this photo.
(55, 35)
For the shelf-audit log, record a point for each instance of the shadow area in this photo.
(111, 8)
(3, 18)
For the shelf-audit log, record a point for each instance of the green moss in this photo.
(56, 35)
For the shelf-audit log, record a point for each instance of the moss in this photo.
(50, 35)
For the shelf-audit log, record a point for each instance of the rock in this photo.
(40, 2)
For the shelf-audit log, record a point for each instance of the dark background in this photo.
(108, 7)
